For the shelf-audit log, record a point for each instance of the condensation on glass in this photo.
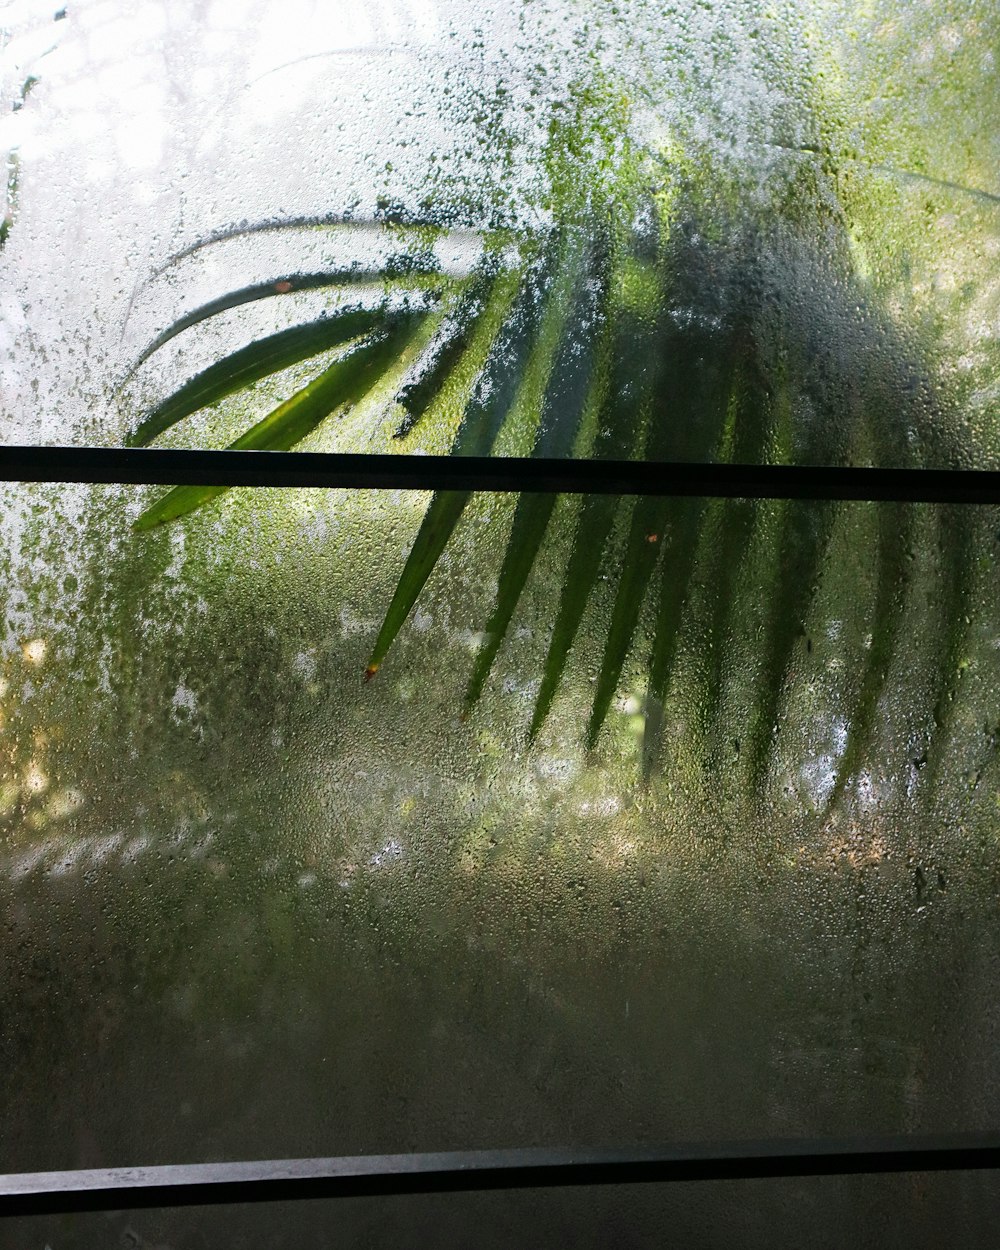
(655, 820)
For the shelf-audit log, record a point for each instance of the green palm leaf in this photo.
(494, 396)
(687, 420)
(287, 285)
(625, 391)
(661, 349)
(804, 535)
(346, 381)
(698, 391)
(638, 562)
(442, 515)
(252, 363)
(751, 433)
(660, 412)
(562, 413)
(832, 405)
(454, 344)
(895, 533)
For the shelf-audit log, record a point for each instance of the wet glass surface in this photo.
(564, 230)
(655, 820)
(256, 906)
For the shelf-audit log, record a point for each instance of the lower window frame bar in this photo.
(359, 1176)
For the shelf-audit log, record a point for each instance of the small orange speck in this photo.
(652, 538)
(370, 671)
(283, 287)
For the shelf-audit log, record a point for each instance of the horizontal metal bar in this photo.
(114, 1189)
(155, 466)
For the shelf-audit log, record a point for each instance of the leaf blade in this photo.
(623, 389)
(701, 376)
(286, 285)
(565, 399)
(439, 521)
(252, 363)
(418, 396)
(344, 382)
(493, 396)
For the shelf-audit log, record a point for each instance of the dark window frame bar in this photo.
(49, 1193)
(337, 470)
(210, 1184)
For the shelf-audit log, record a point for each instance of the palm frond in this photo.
(749, 437)
(493, 397)
(250, 364)
(344, 382)
(454, 343)
(696, 408)
(895, 536)
(284, 285)
(623, 392)
(562, 412)
(816, 423)
(617, 342)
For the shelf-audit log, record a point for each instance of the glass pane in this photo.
(568, 229)
(255, 906)
(655, 820)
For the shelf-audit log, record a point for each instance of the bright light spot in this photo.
(184, 704)
(35, 781)
(69, 858)
(29, 860)
(135, 848)
(609, 805)
(34, 651)
(101, 848)
(558, 769)
(393, 849)
(304, 664)
(64, 803)
(351, 625)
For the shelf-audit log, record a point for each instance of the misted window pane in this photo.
(346, 822)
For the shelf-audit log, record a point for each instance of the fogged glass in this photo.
(347, 822)
(255, 906)
(771, 234)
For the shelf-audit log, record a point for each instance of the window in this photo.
(662, 817)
